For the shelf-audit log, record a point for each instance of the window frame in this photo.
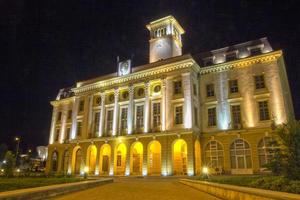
(215, 117)
(210, 90)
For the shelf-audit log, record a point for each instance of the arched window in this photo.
(54, 161)
(266, 147)
(65, 163)
(240, 154)
(78, 161)
(214, 154)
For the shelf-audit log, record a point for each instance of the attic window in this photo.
(230, 57)
(255, 51)
(208, 62)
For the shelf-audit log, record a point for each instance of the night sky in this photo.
(51, 44)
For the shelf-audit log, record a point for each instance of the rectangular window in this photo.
(69, 114)
(263, 110)
(177, 87)
(212, 117)
(236, 115)
(79, 128)
(156, 115)
(210, 90)
(196, 116)
(58, 117)
(233, 86)
(96, 123)
(178, 115)
(139, 116)
(124, 113)
(57, 135)
(109, 121)
(259, 82)
(68, 134)
(81, 105)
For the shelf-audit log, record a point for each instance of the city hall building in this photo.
(174, 115)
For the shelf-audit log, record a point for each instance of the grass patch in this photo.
(276, 183)
(7, 184)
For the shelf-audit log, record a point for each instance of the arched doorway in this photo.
(240, 156)
(77, 160)
(105, 153)
(136, 158)
(65, 162)
(154, 158)
(54, 161)
(91, 159)
(214, 156)
(180, 157)
(266, 148)
(197, 157)
(120, 159)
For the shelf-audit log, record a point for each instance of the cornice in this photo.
(144, 75)
(263, 58)
(62, 101)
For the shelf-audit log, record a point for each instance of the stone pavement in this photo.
(152, 188)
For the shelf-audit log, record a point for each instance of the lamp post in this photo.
(86, 170)
(17, 139)
(205, 172)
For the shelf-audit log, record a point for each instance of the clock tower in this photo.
(165, 38)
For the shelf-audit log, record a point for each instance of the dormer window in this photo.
(230, 57)
(255, 51)
(208, 62)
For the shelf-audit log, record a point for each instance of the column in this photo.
(116, 109)
(147, 108)
(130, 110)
(163, 105)
(63, 124)
(102, 115)
(187, 108)
(74, 117)
(90, 116)
(168, 105)
(53, 123)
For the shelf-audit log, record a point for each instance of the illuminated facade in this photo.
(174, 115)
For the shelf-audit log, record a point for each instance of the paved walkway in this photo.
(140, 188)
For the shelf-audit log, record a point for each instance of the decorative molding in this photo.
(263, 58)
(146, 74)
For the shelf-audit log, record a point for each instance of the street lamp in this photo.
(86, 170)
(17, 139)
(205, 172)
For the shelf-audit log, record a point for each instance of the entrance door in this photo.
(105, 161)
(136, 163)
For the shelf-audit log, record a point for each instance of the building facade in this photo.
(174, 115)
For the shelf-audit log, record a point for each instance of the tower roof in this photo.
(163, 21)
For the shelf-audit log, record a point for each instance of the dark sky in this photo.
(48, 45)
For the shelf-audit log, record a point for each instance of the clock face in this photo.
(124, 68)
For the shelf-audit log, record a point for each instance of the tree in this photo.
(10, 164)
(3, 149)
(287, 161)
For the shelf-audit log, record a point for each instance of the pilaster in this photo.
(187, 108)
(102, 114)
(116, 116)
(147, 108)
(53, 123)
(130, 110)
(74, 117)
